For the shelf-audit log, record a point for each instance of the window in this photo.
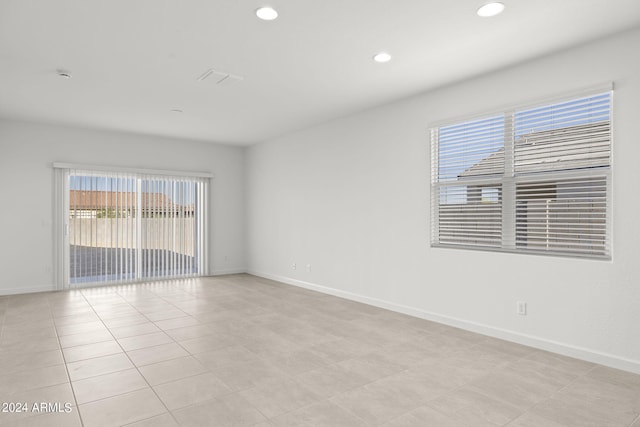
(531, 180)
(127, 226)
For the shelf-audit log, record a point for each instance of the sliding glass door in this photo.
(123, 226)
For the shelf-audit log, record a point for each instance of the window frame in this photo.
(509, 180)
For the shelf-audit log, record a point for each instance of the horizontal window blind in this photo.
(126, 226)
(569, 135)
(532, 180)
(470, 215)
(462, 146)
(564, 215)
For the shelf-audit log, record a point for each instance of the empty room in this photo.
(330, 213)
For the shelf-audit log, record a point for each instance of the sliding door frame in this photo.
(61, 214)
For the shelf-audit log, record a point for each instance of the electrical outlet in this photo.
(309, 268)
(294, 266)
(521, 308)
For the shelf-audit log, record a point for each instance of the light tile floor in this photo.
(241, 350)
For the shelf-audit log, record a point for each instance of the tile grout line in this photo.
(208, 370)
(66, 366)
(174, 341)
(127, 355)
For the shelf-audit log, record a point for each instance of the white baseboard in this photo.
(27, 290)
(524, 339)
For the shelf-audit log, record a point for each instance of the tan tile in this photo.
(426, 416)
(412, 387)
(576, 413)
(54, 419)
(68, 317)
(243, 375)
(562, 363)
(122, 409)
(80, 328)
(114, 311)
(228, 410)
(172, 370)
(485, 358)
(207, 343)
(28, 320)
(282, 345)
(340, 349)
(164, 420)
(374, 405)
(132, 330)
(32, 379)
(12, 336)
(319, 414)
(31, 346)
(159, 353)
(119, 313)
(189, 332)
(616, 377)
(278, 396)
(621, 399)
(408, 353)
(178, 322)
(331, 380)
(529, 419)
(514, 389)
(143, 341)
(448, 372)
(98, 366)
(16, 362)
(372, 366)
(444, 344)
(129, 320)
(507, 347)
(226, 356)
(191, 390)
(108, 385)
(540, 372)
(88, 351)
(266, 343)
(156, 316)
(297, 361)
(85, 338)
(474, 405)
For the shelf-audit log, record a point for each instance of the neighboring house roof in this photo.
(93, 199)
(577, 146)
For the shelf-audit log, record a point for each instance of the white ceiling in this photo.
(133, 61)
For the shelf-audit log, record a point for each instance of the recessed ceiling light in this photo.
(382, 57)
(490, 9)
(267, 13)
(64, 74)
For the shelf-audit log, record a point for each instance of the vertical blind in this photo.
(533, 179)
(126, 226)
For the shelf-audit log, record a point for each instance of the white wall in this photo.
(351, 198)
(27, 152)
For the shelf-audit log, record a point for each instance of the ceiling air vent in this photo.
(219, 78)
